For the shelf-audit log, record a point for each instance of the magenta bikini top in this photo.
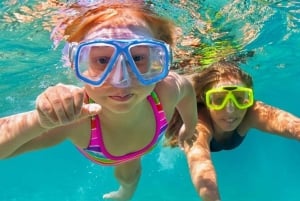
(97, 152)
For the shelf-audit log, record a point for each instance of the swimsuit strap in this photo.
(96, 150)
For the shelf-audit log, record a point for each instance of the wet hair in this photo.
(76, 21)
(217, 72)
(202, 82)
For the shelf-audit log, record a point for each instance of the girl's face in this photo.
(230, 117)
(119, 99)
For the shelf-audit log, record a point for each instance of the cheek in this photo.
(93, 92)
(144, 89)
(214, 114)
(88, 89)
(242, 114)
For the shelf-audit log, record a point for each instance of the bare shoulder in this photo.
(173, 80)
(171, 90)
(172, 87)
(260, 110)
(263, 116)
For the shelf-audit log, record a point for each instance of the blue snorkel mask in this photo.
(120, 61)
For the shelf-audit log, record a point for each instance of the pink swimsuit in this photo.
(97, 152)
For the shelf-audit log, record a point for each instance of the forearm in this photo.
(187, 109)
(16, 130)
(202, 170)
(130, 182)
(204, 179)
(128, 176)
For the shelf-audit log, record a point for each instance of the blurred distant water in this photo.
(264, 167)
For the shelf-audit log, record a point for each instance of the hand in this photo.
(63, 104)
(185, 135)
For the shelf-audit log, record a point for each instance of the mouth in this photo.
(121, 98)
(230, 120)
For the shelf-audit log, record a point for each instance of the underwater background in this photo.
(263, 34)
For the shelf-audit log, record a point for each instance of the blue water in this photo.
(264, 167)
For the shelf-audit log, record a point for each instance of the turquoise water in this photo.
(264, 167)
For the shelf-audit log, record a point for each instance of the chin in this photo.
(229, 128)
(121, 109)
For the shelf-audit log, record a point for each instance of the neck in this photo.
(127, 118)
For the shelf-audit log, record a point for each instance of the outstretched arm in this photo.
(56, 108)
(187, 108)
(274, 120)
(177, 91)
(16, 130)
(201, 167)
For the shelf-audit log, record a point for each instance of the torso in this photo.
(233, 141)
(222, 141)
(99, 153)
(113, 132)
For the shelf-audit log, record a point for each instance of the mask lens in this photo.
(243, 98)
(216, 99)
(93, 61)
(150, 60)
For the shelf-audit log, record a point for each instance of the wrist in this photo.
(37, 122)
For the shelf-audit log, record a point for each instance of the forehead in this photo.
(129, 32)
(228, 82)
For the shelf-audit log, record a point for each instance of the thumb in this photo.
(90, 110)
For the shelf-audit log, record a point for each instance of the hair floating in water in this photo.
(89, 3)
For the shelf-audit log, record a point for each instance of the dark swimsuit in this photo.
(227, 144)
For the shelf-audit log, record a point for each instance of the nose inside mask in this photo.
(230, 107)
(119, 76)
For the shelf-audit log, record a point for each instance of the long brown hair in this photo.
(202, 82)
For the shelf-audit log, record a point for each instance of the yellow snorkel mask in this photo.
(218, 98)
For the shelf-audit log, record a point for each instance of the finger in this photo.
(90, 110)
(57, 103)
(46, 112)
(67, 100)
(45, 107)
(72, 99)
(78, 98)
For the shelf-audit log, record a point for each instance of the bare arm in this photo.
(274, 120)
(57, 108)
(201, 167)
(128, 175)
(187, 108)
(16, 130)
